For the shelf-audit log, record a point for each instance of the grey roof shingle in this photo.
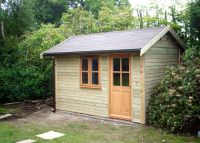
(131, 40)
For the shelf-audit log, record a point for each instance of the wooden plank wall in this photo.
(69, 95)
(164, 53)
(136, 88)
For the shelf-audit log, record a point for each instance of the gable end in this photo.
(159, 36)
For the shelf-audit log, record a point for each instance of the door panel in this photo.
(116, 102)
(126, 103)
(120, 94)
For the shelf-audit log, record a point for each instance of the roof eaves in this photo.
(43, 53)
(91, 52)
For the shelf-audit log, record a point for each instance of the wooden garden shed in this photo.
(112, 74)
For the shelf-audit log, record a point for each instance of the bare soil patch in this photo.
(24, 109)
(41, 111)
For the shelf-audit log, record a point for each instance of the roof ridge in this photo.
(121, 31)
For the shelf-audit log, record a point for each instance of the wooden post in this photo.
(142, 93)
(54, 85)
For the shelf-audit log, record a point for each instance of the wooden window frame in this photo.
(90, 85)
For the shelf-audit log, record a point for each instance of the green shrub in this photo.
(22, 83)
(28, 76)
(175, 104)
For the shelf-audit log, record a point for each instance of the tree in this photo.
(93, 6)
(106, 19)
(29, 77)
(194, 11)
(78, 21)
(76, 3)
(120, 18)
(140, 17)
(1, 20)
(18, 17)
(123, 18)
(49, 11)
(38, 41)
(122, 3)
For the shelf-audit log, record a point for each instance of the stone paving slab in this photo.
(50, 135)
(26, 141)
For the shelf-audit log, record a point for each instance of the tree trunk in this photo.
(165, 15)
(141, 19)
(2, 30)
(173, 13)
(147, 15)
(1, 23)
(139, 12)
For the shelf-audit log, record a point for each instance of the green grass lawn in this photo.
(80, 130)
(87, 132)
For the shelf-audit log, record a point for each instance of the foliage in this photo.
(119, 18)
(190, 54)
(194, 12)
(30, 77)
(23, 74)
(25, 24)
(175, 103)
(8, 51)
(94, 6)
(17, 17)
(78, 21)
(49, 11)
(22, 83)
(38, 41)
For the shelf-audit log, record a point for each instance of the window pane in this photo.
(85, 77)
(116, 64)
(94, 64)
(125, 64)
(95, 78)
(116, 79)
(125, 79)
(84, 64)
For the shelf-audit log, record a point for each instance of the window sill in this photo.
(90, 86)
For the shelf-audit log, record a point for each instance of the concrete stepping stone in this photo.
(26, 141)
(50, 135)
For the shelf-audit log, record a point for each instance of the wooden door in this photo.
(120, 94)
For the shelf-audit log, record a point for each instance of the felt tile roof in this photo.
(117, 41)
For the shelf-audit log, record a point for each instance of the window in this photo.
(121, 71)
(90, 72)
